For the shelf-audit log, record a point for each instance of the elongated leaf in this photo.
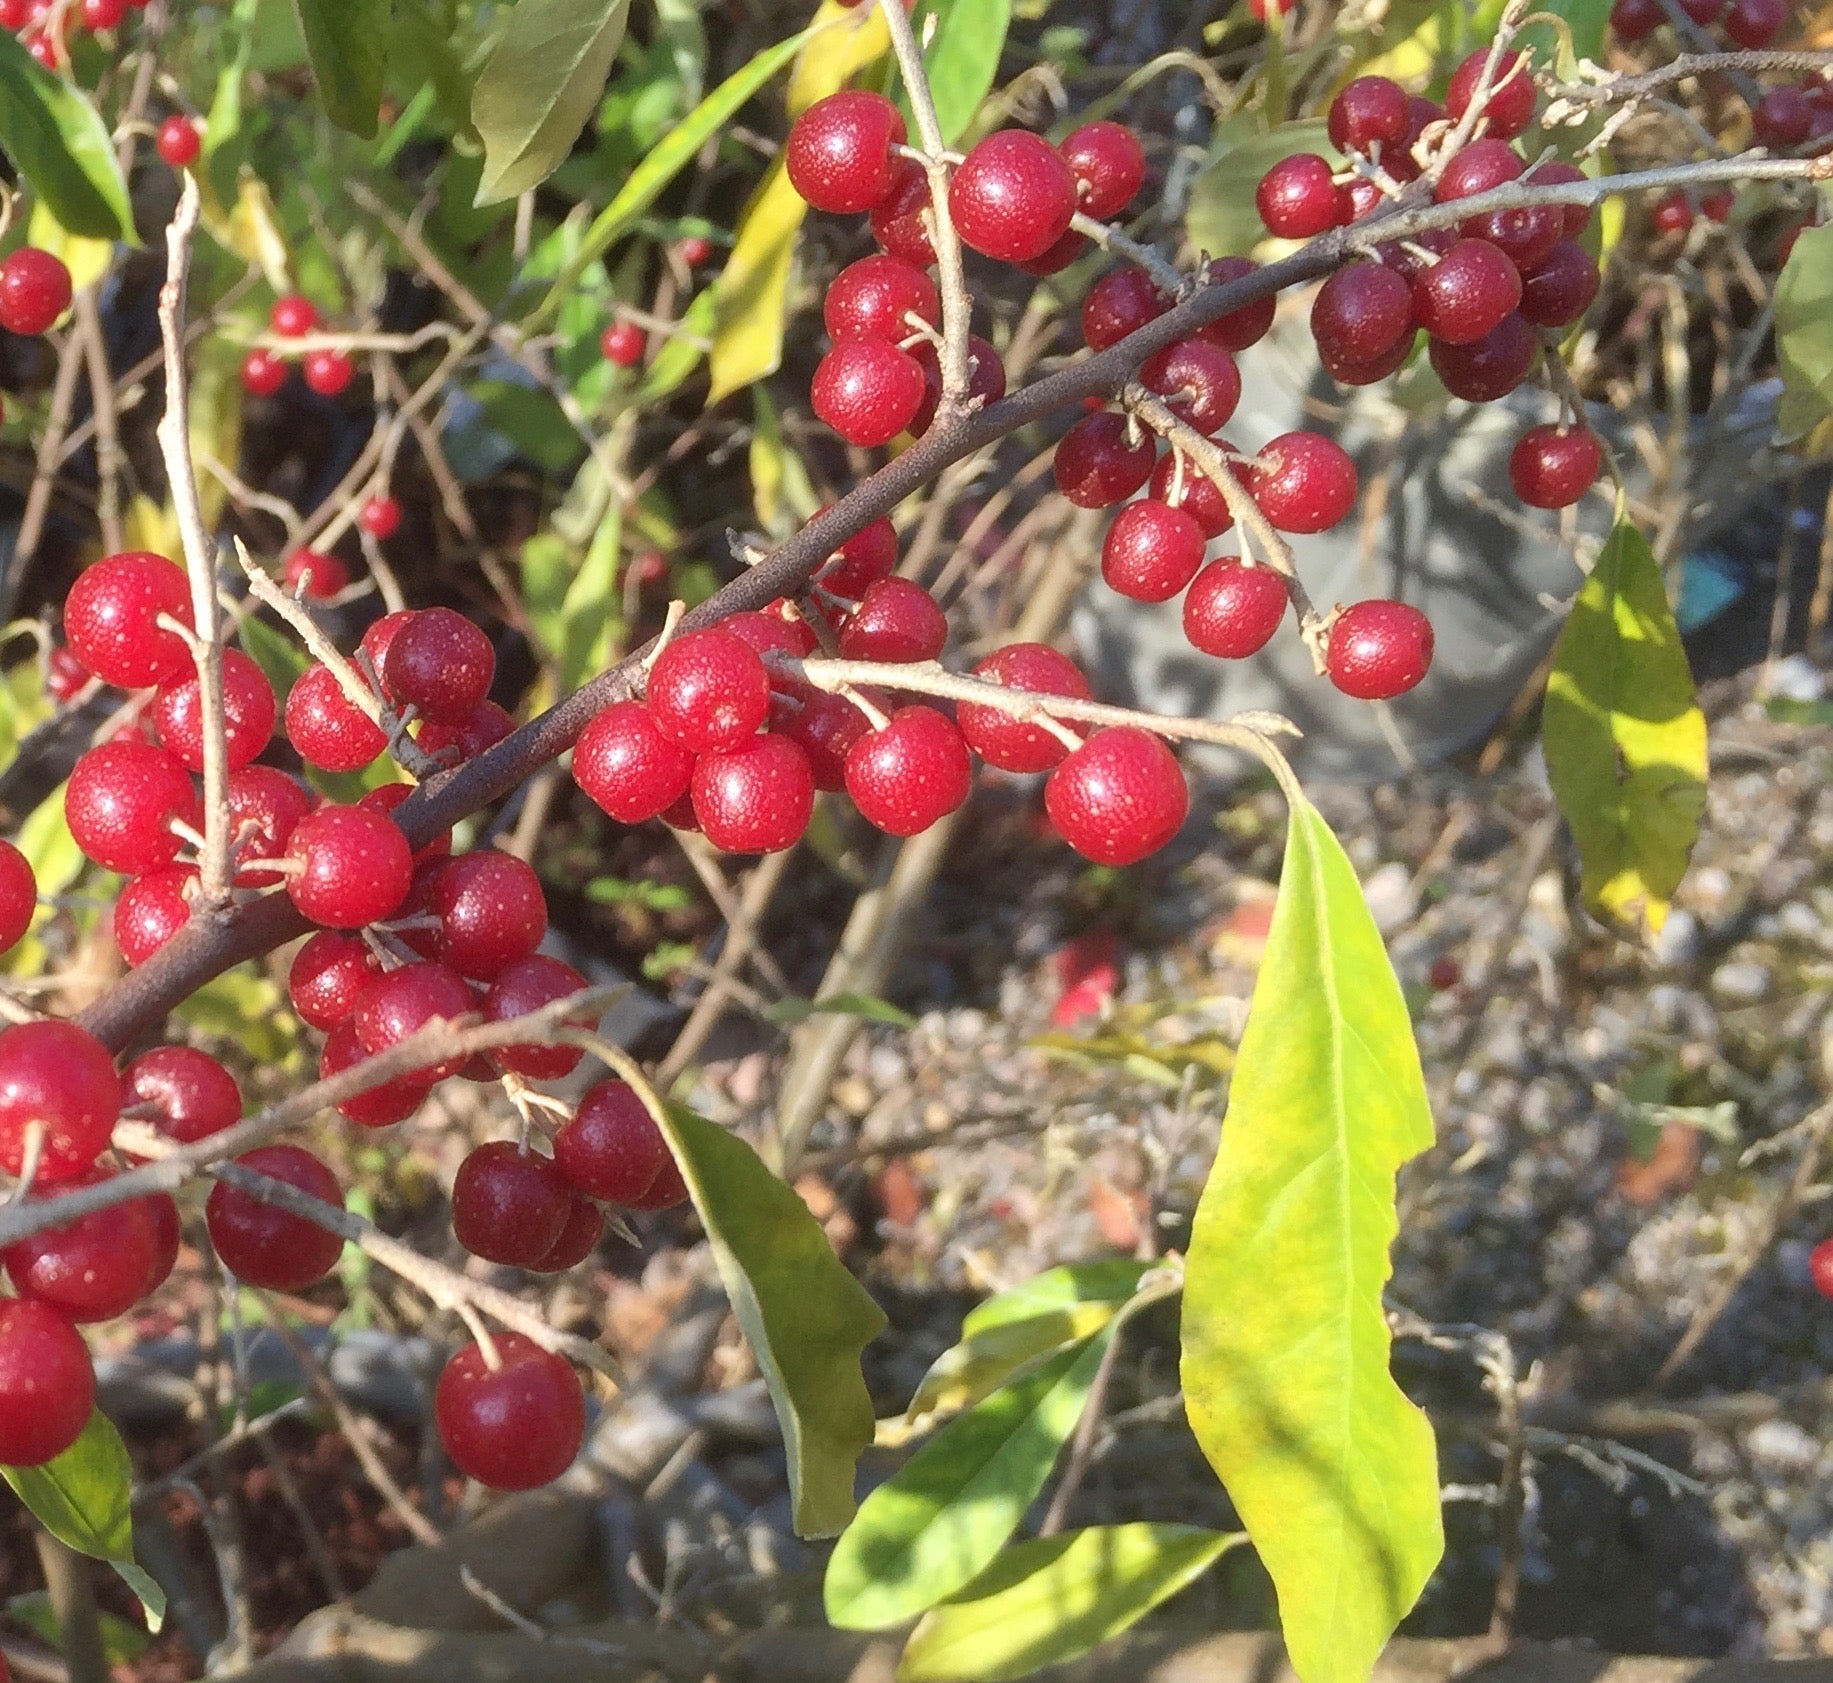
(1048, 1600)
(1110, 1280)
(281, 658)
(1222, 219)
(985, 1360)
(347, 43)
(84, 1498)
(61, 145)
(1625, 739)
(592, 612)
(930, 1530)
(1804, 332)
(864, 1005)
(539, 86)
(963, 60)
(1285, 1361)
(805, 1316)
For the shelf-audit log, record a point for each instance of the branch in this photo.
(1615, 90)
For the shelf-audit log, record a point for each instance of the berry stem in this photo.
(1111, 239)
(1455, 140)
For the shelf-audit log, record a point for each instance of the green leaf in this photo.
(1051, 1599)
(592, 613)
(928, 1531)
(1110, 1280)
(962, 60)
(282, 659)
(683, 351)
(805, 1317)
(1804, 331)
(84, 1498)
(1222, 219)
(248, 1008)
(1285, 1362)
(1625, 739)
(122, 1643)
(539, 86)
(841, 1005)
(347, 43)
(1584, 22)
(984, 1360)
(60, 143)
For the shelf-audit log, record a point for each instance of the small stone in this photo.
(1741, 982)
(1389, 893)
(1678, 941)
(1797, 678)
(1799, 921)
(1710, 886)
(1782, 1443)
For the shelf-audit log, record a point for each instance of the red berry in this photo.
(625, 763)
(47, 1387)
(1481, 165)
(1510, 105)
(756, 798)
(1556, 172)
(1371, 111)
(585, 1226)
(121, 801)
(191, 1096)
(1379, 649)
(1004, 740)
(1012, 197)
(1560, 288)
(526, 986)
(1297, 198)
(867, 390)
(509, 1204)
(263, 373)
(99, 15)
(1632, 20)
(839, 151)
(875, 297)
(694, 250)
(379, 1106)
(439, 663)
(1820, 1267)
(1349, 373)
(622, 344)
(1198, 379)
(986, 379)
(248, 714)
(380, 517)
(708, 691)
(111, 619)
(91, 1269)
(168, 1236)
(18, 895)
(491, 912)
(1753, 24)
(1782, 118)
(1151, 551)
(1523, 235)
(1175, 481)
(15, 14)
(1233, 610)
(1246, 326)
(1119, 797)
(1360, 198)
(1552, 467)
(1109, 166)
(264, 1245)
(328, 975)
(310, 573)
(292, 316)
(1673, 213)
(1717, 206)
(824, 727)
(1491, 367)
(861, 562)
(1303, 482)
(1362, 312)
(612, 1148)
(34, 290)
(264, 806)
(402, 1001)
(57, 1074)
(1120, 303)
(178, 142)
(151, 909)
(898, 221)
(912, 772)
(326, 727)
(65, 675)
(353, 866)
(46, 49)
(1466, 292)
(897, 621)
(327, 372)
(1098, 465)
(483, 727)
(1403, 162)
(515, 1426)
(1702, 12)
(768, 634)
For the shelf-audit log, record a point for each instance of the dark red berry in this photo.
(1673, 213)
(1556, 172)
(876, 297)
(585, 1226)
(248, 714)
(264, 1245)
(152, 908)
(263, 373)
(1120, 303)
(1481, 165)
(1560, 288)
(523, 987)
(1199, 381)
(509, 1204)
(1753, 24)
(47, 1387)
(122, 800)
(315, 575)
(1510, 104)
(911, 773)
(1702, 12)
(1552, 467)
(111, 619)
(34, 290)
(327, 372)
(264, 807)
(401, 1002)
(898, 220)
(1297, 198)
(178, 142)
(897, 621)
(91, 1269)
(1001, 738)
(491, 912)
(612, 1148)
(452, 744)
(439, 663)
(1717, 206)
(1177, 482)
(986, 379)
(189, 1094)
(18, 895)
(861, 562)
(1303, 482)
(1151, 551)
(1782, 118)
(1371, 111)
(1069, 249)
(1379, 649)
(708, 691)
(352, 866)
(292, 316)
(625, 763)
(839, 151)
(1098, 464)
(378, 1106)
(328, 729)
(1491, 367)
(1633, 20)
(1524, 235)
(867, 390)
(66, 677)
(1820, 1267)
(1466, 292)
(1362, 312)
(1350, 373)
(328, 975)
(1109, 166)
(1012, 197)
(757, 798)
(824, 727)
(1119, 797)
(511, 1426)
(1233, 610)
(1246, 326)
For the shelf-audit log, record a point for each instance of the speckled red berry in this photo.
(756, 798)
(1553, 466)
(1119, 797)
(1013, 195)
(34, 290)
(1233, 610)
(839, 151)
(352, 866)
(1379, 649)
(111, 619)
(264, 1245)
(1151, 551)
(513, 1426)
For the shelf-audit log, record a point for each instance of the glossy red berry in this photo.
(1673, 213)
(1466, 293)
(1552, 467)
(99, 15)
(1098, 464)
(18, 895)
(57, 1074)
(1379, 649)
(65, 676)
(91, 1269)
(912, 772)
(151, 909)
(1753, 24)
(1556, 172)
(1634, 20)
(34, 290)
(708, 691)
(1524, 234)
(402, 1001)
(47, 1387)
(377, 1106)
(439, 663)
(1362, 312)
(248, 714)
(860, 562)
(1180, 484)
(1120, 303)
(328, 974)
(824, 727)
(897, 621)
(1297, 198)
(1782, 118)
(514, 1426)
(327, 728)
(526, 986)
(1233, 610)
(264, 1245)
(1820, 1267)
(452, 744)
(380, 517)
(111, 619)
(178, 142)
(1109, 166)
(292, 316)
(1119, 797)
(1369, 112)
(352, 866)
(1002, 739)
(509, 1205)
(612, 1148)
(898, 220)
(625, 763)
(1481, 165)
(756, 798)
(585, 1226)
(314, 575)
(1560, 288)
(1246, 326)
(839, 151)
(867, 390)
(622, 344)
(264, 807)
(491, 912)
(188, 1095)
(121, 801)
(327, 372)
(1510, 105)
(1717, 206)
(986, 379)
(1303, 482)
(876, 297)
(1491, 367)
(1151, 551)
(263, 373)
(1012, 197)
(1198, 380)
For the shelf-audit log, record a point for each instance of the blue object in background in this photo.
(1710, 581)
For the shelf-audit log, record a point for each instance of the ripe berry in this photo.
(263, 373)
(625, 763)
(1403, 162)
(191, 1096)
(34, 290)
(111, 619)
(768, 634)
(824, 727)
(708, 691)
(1297, 198)
(439, 663)
(1118, 797)
(875, 297)
(612, 1148)
(912, 772)
(178, 142)
(1176, 482)
(379, 1106)
(756, 798)
(151, 909)
(91, 1269)
(1151, 551)
(1058, 257)
(1633, 20)
(264, 806)
(248, 714)
(695, 250)
(1361, 312)
(402, 1001)
(1004, 740)
(264, 1245)
(1560, 288)
(47, 1387)
(1098, 465)
(1233, 610)
(1303, 482)
(18, 895)
(1481, 165)
(1523, 235)
(1109, 166)
(509, 1204)
(1349, 373)
(1782, 118)
(352, 866)
(839, 151)
(897, 621)
(380, 517)
(1491, 367)
(1246, 326)
(483, 727)
(861, 562)
(57, 1074)
(867, 390)
(48, 49)
(526, 986)
(1702, 12)
(1120, 303)
(99, 15)
(1371, 111)
(1717, 206)
(1199, 381)
(121, 800)
(1466, 292)
(326, 727)
(1557, 172)
(1753, 24)
(515, 1426)
(1511, 93)
(898, 220)
(622, 344)
(1012, 197)
(66, 676)
(1673, 213)
(328, 974)
(292, 316)
(1360, 198)
(585, 1226)
(986, 379)
(317, 576)
(1379, 649)
(327, 372)
(1820, 1267)
(1552, 467)
(491, 912)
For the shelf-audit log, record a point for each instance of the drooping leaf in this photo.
(1046, 1601)
(347, 44)
(84, 1498)
(1108, 1280)
(1804, 332)
(1625, 738)
(928, 1531)
(1285, 1344)
(805, 1317)
(962, 60)
(1222, 219)
(539, 87)
(54, 134)
(985, 1360)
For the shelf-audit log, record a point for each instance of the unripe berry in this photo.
(1371, 111)
(1379, 649)
(839, 151)
(523, 987)
(1362, 312)
(314, 575)
(292, 316)
(1199, 381)
(111, 619)
(509, 1204)
(491, 912)
(263, 373)
(897, 621)
(264, 1245)
(1246, 326)
(514, 1426)
(327, 372)
(1120, 303)
(326, 727)
(1004, 740)
(60, 1076)
(708, 692)
(121, 801)
(151, 909)
(612, 1148)
(18, 895)
(1552, 467)
(178, 142)
(1491, 367)
(1302, 481)
(867, 390)
(441, 664)
(1151, 551)
(1109, 166)
(1119, 797)
(757, 798)
(190, 1094)
(1510, 104)
(875, 297)
(352, 866)
(1012, 197)
(177, 714)
(1466, 292)
(1297, 198)
(1098, 464)
(628, 766)
(34, 290)
(47, 1387)
(911, 773)
(1233, 610)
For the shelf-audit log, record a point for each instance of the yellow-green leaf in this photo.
(347, 44)
(62, 147)
(86, 259)
(1804, 332)
(1049, 1600)
(1109, 1280)
(1285, 1344)
(985, 1360)
(1625, 739)
(962, 59)
(49, 848)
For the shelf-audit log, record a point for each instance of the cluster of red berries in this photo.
(44, 27)
(327, 370)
